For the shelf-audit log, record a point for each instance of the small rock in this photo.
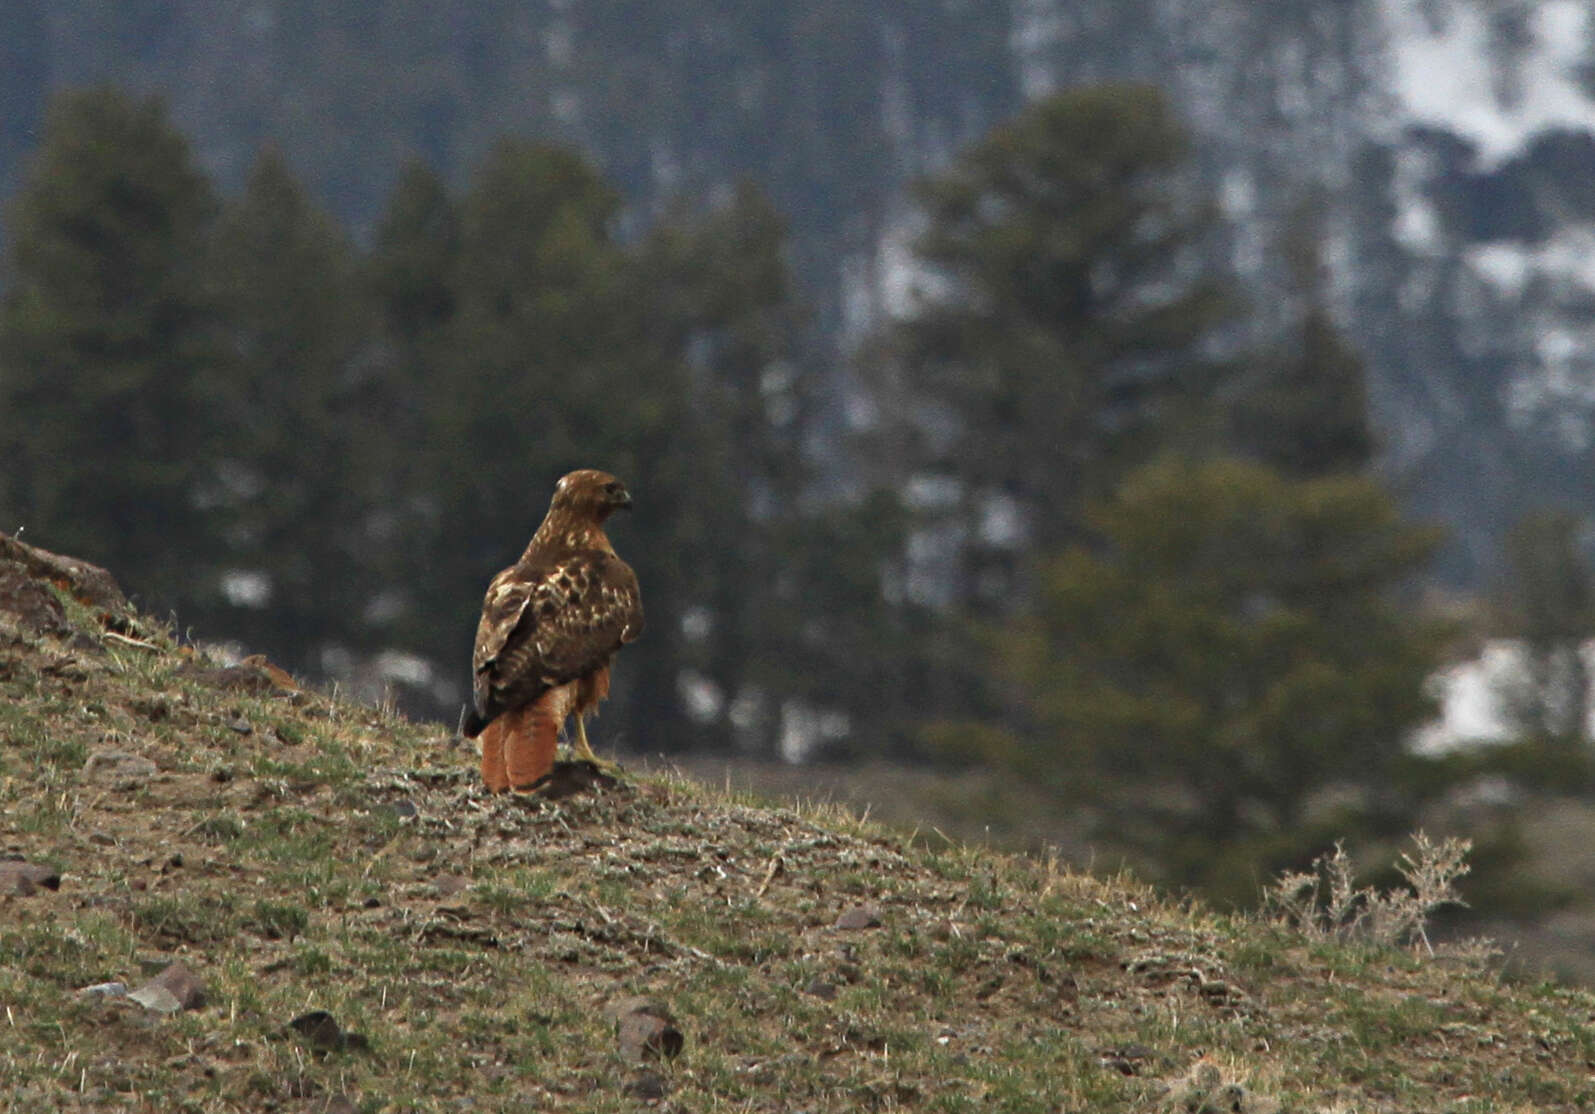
(84, 643)
(648, 1086)
(447, 885)
(405, 809)
(1204, 1089)
(1129, 1059)
(860, 916)
(187, 987)
(153, 963)
(105, 990)
(233, 678)
(30, 602)
(323, 1034)
(157, 998)
(22, 879)
(647, 1031)
(102, 837)
(242, 726)
(821, 989)
(567, 779)
(644, 1036)
(117, 769)
(618, 1009)
(88, 583)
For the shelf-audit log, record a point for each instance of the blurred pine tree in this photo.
(1064, 330)
(413, 267)
(301, 497)
(1301, 405)
(1236, 653)
(110, 354)
(1547, 601)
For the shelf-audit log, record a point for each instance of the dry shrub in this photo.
(1325, 902)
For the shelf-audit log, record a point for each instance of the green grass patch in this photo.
(185, 919)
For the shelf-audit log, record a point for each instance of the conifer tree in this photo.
(109, 353)
(1302, 404)
(722, 307)
(1239, 647)
(791, 634)
(1064, 330)
(412, 276)
(301, 494)
(413, 267)
(1547, 602)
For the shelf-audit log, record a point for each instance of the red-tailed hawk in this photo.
(550, 624)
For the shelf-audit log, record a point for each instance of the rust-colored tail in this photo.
(531, 736)
(493, 775)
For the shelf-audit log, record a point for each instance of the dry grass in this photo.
(302, 854)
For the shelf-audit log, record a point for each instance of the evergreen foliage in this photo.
(1064, 332)
(1238, 650)
(109, 346)
(296, 473)
(1547, 602)
(413, 269)
(1302, 404)
(1210, 648)
(723, 308)
(533, 341)
(831, 106)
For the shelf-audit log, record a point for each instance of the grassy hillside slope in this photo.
(372, 932)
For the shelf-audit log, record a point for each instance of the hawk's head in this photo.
(590, 493)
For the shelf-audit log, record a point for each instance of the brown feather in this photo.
(590, 690)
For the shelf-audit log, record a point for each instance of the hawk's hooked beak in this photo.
(621, 499)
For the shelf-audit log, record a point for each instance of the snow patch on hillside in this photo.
(1442, 54)
(1475, 696)
(1544, 288)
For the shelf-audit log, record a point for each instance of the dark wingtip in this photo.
(471, 724)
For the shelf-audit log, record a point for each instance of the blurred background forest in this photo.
(1124, 427)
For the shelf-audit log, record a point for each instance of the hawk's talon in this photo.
(582, 751)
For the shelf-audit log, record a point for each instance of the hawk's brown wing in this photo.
(548, 622)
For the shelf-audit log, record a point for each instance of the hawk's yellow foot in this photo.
(582, 751)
